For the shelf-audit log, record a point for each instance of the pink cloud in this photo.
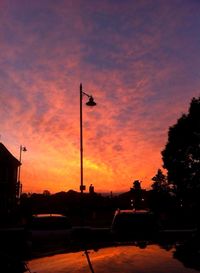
(135, 63)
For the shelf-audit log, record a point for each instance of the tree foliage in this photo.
(181, 156)
(160, 182)
(137, 185)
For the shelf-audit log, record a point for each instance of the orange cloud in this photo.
(135, 63)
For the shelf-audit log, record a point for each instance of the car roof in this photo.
(133, 211)
(46, 215)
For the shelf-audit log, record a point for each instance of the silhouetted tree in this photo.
(136, 185)
(181, 155)
(46, 193)
(160, 182)
(162, 202)
(136, 192)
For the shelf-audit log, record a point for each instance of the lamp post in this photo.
(90, 102)
(19, 185)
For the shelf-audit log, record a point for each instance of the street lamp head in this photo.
(24, 149)
(91, 102)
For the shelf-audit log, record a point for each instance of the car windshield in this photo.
(132, 220)
(51, 222)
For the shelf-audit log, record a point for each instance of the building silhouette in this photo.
(9, 186)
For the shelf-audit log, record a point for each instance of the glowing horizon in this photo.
(139, 61)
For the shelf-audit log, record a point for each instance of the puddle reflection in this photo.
(122, 258)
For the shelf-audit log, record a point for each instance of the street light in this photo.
(19, 184)
(90, 102)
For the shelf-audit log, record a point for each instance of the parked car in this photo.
(49, 231)
(134, 224)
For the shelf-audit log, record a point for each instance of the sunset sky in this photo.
(139, 59)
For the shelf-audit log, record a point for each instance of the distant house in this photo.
(8, 181)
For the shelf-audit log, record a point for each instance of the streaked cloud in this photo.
(140, 60)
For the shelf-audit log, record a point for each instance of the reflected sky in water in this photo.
(113, 259)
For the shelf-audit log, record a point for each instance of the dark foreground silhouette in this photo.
(186, 244)
(12, 264)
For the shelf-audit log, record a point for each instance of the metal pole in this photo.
(18, 185)
(81, 140)
(88, 260)
(20, 159)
